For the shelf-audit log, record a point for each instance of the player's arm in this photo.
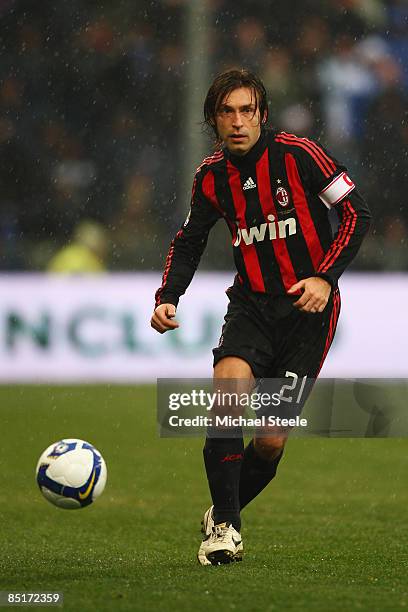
(184, 256)
(327, 178)
(355, 218)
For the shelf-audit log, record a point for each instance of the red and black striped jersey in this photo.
(275, 201)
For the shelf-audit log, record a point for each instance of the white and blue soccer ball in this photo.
(71, 473)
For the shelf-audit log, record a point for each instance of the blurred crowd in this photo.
(91, 117)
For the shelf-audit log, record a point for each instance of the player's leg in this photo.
(223, 453)
(245, 352)
(306, 339)
(260, 463)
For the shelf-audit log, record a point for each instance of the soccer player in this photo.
(274, 190)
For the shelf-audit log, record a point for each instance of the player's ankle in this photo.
(227, 517)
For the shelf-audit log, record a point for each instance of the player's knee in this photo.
(270, 447)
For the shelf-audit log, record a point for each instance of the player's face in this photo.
(238, 123)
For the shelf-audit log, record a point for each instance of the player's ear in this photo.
(265, 117)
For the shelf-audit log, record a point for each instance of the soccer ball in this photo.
(71, 473)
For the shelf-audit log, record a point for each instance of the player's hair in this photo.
(223, 85)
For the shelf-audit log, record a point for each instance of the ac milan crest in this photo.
(282, 196)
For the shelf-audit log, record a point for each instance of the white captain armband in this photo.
(335, 191)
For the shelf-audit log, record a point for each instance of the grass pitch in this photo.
(330, 533)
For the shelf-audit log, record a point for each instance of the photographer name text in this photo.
(239, 421)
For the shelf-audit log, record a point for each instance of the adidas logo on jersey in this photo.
(249, 184)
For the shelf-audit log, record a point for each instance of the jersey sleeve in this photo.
(326, 177)
(190, 241)
(323, 174)
(355, 218)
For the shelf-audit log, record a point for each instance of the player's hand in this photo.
(315, 294)
(163, 318)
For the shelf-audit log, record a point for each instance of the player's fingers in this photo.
(297, 287)
(300, 303)
(164, 319)
(171, 311)
(314, 298)
(323, 304)
(155, 323)
(169, 323)
(319, 305)
(310, 306)
(162, 324)
(172, 324)
(159, 324)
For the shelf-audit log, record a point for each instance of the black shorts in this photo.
(273, 337)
